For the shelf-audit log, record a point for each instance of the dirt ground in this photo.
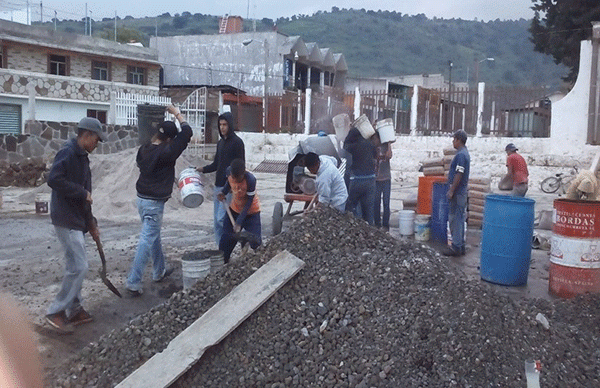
(31, 264)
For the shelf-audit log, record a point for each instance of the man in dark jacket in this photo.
(156, 162)
(362, 179)
(229, 148)
(70, 211)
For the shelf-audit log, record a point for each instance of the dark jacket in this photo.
(363, 153)
(228, 149)
(70, 179)
(157, 165)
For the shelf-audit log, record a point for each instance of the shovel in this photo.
(242, 236)
(102, 271)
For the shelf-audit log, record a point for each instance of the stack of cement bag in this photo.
(434, 166)
(448, 156)
(479, 187)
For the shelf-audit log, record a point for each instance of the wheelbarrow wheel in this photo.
(277, 218)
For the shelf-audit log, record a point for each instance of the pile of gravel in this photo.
(367, 310)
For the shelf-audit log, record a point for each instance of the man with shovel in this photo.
(244, 211)
(71, 181)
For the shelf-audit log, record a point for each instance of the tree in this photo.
(559, 26)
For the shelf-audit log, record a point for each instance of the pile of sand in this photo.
(114, 177)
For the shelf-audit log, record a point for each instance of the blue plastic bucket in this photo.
(506, 239)
(439, 213)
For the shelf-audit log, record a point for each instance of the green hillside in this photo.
(379, 43)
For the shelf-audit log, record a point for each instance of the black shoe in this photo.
(168, 271)
(134, 293)
(452, 252)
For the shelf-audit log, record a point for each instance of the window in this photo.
(10, 118)
(97, 114)
(101, 70)
(136, 75)
(3, 57)
(58, 65)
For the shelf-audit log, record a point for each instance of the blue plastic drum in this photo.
(439, 213)
(506, 239)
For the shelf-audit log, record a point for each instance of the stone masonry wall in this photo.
(44, 139)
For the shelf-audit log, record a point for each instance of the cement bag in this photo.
(476, 208)
(480, 180)
(478, 187)
(438, 170)
(505, 183)
(476, 201)
(433, 162)
(449, 151)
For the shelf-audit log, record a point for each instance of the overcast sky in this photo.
(258, 9)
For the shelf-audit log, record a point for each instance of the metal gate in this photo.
(194, 110)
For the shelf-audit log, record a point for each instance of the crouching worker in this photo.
(331, 187)
(244, 207)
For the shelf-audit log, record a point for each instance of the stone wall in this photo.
(53, 86)
(42, 139)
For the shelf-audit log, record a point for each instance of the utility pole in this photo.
(41, 13)
(86, 19)
(55, 17)
(115, 26)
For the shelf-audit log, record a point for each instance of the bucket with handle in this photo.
(407, 219)
(364, 126)
(197, 266)
(190, 186)
(385, 128)
(422, 230)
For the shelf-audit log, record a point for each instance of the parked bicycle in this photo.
(561, 180)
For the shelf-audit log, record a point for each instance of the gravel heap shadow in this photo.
(367, 310)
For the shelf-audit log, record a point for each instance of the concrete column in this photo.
(112, 110)
(356, 103)
(307, 106)
(293, 74)
(308, 77)
(299, 113)
(414, 105)
(480, 99)
(31, 103)
(322, 80)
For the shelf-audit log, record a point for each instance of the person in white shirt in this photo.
(331, 187)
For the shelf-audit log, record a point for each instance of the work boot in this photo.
(453, 252)
(81, 317)
(168, 271)
(60, 322)
(134, 293)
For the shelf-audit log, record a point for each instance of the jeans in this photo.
(456, 218)
(520, 189)
(149, 245)
(228, 241)
(382, 188)
(362, 190)
(219, 213)
(69, 298)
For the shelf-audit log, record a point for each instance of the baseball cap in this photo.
(168, 128)
(511, 147)
(93, 125)
(460, 135)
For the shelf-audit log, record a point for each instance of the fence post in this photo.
(307, 111)
(356, 102)
(480, 100)
(414, 104)
(112, 110)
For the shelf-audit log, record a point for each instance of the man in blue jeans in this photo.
(229, 147)
(458, 179)
(362, 179)
(70, 210)
(154, 187)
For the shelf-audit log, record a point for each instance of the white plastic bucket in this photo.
(197, 265)
(364, 126)
(190, 187)
(385, 128)
(341, 123)
(422, 230)
(407, 219)
(41, 203)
